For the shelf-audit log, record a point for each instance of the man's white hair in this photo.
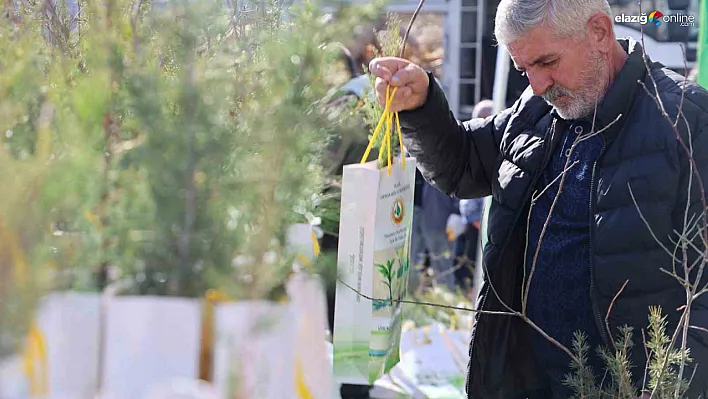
(567, 17)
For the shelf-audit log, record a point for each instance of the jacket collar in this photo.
(621, 94)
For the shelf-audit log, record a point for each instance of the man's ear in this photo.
(600, 32)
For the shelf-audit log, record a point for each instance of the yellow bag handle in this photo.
(303, 391)
(387, 119)
(316, 250)
(35, 354)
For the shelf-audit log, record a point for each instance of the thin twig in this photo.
(609, 310)
(690, 381)
(435, 305)
(689, 187)
(690, 288)
(684, 338)
(683, 89)
(526, 245)
(494, 290)
(691, 160)
(684, 240)
(549, 338)
(537, 196)
(488, 312)
(674, 275)
(701, 292)
(699, 328)
(648, 354)
(410, 25)
(641, 215)
(524, 299)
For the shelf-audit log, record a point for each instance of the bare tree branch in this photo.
(699, 328)
(609, 310)
(537, 196)
(434, 305)
(646, 223)
(683, 89)
(567, 166)
(410, 25)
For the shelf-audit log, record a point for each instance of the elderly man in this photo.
(586, 112)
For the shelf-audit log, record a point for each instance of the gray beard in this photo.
(580, 106)
(579, 109)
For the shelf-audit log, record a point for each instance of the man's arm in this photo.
(457, 158)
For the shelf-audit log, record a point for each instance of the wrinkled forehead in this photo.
(540, 44)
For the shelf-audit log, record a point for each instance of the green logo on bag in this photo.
(397, 211)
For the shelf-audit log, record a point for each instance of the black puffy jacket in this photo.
(503, 155)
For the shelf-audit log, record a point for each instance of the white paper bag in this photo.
(67, 328)
(433, 364)
(70, 324)
(182, 388)
(373, 259)
(313, 372)
(254, 353)
(149, 340)
(270, 350)
(13, 382)
(302, 242)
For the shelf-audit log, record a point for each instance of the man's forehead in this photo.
(526, 53)
(531, 58)
(538, 45)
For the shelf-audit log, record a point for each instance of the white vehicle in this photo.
(678, 26)
(470, 52)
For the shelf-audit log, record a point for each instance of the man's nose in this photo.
(540, 82)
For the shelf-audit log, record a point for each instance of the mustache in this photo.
(555, 92)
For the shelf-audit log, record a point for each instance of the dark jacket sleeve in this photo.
(457, 158)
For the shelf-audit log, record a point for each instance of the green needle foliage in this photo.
(661, 374)
(165, 145)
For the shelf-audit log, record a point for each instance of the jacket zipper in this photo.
(596, 310)
(529, 192)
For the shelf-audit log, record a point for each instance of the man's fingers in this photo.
(401, 77)
(402, 93)
(381, 71)
(410, 81)
(380, 85)
(385, 67)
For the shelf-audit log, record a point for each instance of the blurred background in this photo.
(156, 156)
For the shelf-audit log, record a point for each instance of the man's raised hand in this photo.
(412, 82)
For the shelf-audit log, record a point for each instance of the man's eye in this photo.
(549, 63)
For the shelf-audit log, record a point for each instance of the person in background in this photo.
(419, 261)
(467, 244)
(437, 224)
(471, 210)
(483, 109)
